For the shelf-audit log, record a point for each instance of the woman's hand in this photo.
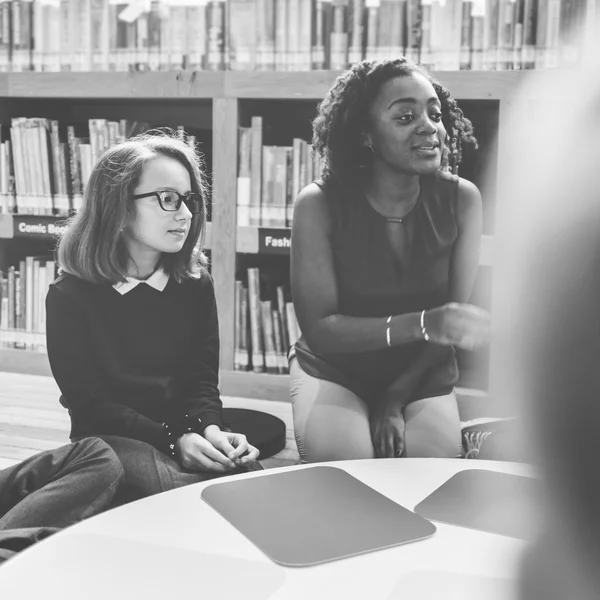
(198, 454)
(387, 430)
(462, 325)
(233, 445)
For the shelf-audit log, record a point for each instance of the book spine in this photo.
(426, 57)
(6, 42)
(256, 171)
(244, 330)
(277, 337)
(338, 36)
(21, 296)
(357, 19)
(529, 33)
(305, 35)
(244, 180)
(466, 35)
(10, 308)
(281, 35)
(491, 51)
(215, 23)
(83, 47)
(372, 35)
(196, 39)
(413, 22)
(267, 216)
(265, 36)
(237, 328)
(518, 27)
(279, 187)
(74, 169)
(258, 362)
(29, 290)
(320, 37)
(283, 318)
(268, 336)
(477, 35)
(242, 27)
(46, 164)
(293, 329)
(99, 35)
(39, 41)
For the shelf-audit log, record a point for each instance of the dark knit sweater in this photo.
(125, 364)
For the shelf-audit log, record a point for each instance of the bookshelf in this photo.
(222, 101)
(226, 93)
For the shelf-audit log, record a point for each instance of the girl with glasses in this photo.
(384, 256)
(132, 329)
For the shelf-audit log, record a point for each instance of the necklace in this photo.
(391, 218)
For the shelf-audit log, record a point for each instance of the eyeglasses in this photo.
(170, 200)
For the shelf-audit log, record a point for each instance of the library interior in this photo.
(241, 85)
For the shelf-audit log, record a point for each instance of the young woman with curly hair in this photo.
(384, 256)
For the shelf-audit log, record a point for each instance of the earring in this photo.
(365, 158)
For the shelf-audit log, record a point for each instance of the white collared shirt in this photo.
(158, 280)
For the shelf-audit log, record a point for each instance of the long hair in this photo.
(93, 247)
(342, 115)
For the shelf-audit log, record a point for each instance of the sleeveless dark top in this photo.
(374, 281)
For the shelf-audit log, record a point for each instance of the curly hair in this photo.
(341, 117)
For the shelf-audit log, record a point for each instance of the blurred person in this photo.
(546, 353)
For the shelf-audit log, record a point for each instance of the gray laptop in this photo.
(315, 515)
(485, 500)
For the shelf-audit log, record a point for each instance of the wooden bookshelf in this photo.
(309, 85)
(313, 85)
(225, 91)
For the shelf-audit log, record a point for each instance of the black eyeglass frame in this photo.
(187, 198)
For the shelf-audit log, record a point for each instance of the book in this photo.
(287, 35)
(265, 323)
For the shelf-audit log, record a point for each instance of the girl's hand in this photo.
(462, 325)
(198, 454)
(233, 445)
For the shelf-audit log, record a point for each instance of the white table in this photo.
(175, 546)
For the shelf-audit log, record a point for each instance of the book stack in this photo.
(23, 303)
(265, 326)
(286, 35)
(270, 177)
(44, 166)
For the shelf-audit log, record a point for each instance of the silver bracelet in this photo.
(387, 332)
(423, 330)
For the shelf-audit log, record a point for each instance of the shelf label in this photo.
(274, 241)
(38, 226)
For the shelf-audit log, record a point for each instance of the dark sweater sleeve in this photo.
(80, 382)
(199, 383)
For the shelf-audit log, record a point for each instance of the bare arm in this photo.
(315, 293)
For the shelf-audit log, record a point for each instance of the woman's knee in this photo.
(433, 428)
(109, 468)
(330, 422)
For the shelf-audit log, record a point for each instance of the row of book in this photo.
(270, 177)
(44, 165)
(265, 326)
(23, 291)
(287, 35)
